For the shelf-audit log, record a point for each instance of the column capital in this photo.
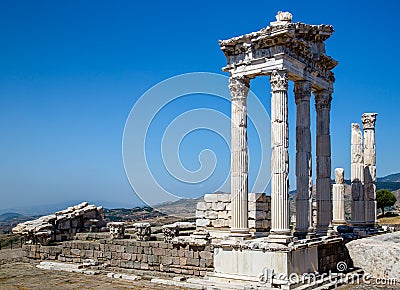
(279, 80)
(339, 175)
(239, 86)
(323, 99)
(302, 91)
(368, 120)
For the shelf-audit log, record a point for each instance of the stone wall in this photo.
(330, 254)
(130, 254)
(214, 212)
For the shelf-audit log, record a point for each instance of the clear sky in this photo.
(71, 71)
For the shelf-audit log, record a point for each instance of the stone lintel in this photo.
(264, 67)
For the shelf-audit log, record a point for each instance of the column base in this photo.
(280, 236)
(240, 234)
(358, 224)
(300, 234)
(304, 233)
(339, 223)
(322, 230)
(371, 224)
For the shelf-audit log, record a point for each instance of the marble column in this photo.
(368, 122)
(323, 100)
(280, 230)
(303, 198)
(239, 88)
(338, 214)
(357, 177)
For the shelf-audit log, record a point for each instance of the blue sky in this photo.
(72, 70)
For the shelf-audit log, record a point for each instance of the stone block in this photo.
(202, 222)
(211, 197)
(256, 197)
(206, 254)
(75, 252)
(211, 215)
(189, 254)
(193, 262)
(126, 256)
(218, 206)
(144, 266)
(220, 223)
(223, 215)
(257, 215)
(166, 260)
(200, 214)
(201, 205)
(224, 197)
(182, 261)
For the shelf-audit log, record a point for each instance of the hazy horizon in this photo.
(72, 71)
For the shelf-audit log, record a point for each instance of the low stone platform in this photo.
(145, 256)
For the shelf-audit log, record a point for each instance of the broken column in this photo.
(338, 214)
(239, 88)
(302, 94)
(357, 177)
(143, 231)
(323, 100)
(368, 122)
(280, 230)
(117, 230)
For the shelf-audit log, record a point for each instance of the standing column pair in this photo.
(323, 100)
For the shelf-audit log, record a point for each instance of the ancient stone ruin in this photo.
(244, 240)
(62, 225)
(363, 172)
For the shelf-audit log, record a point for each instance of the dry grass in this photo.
(389, 220)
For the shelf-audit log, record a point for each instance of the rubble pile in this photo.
(62, 225)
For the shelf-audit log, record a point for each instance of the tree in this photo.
(384, 198)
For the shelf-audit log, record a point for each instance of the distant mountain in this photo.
(180, 208)
(8, 216)
(390, 178)
(45, 209)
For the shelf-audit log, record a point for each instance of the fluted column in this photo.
(323, 100)
(368, 121)
(239, 88)
(280, 159)
(303, 200)
(357, 177)
(338, 215)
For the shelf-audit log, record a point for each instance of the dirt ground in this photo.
(15, 274)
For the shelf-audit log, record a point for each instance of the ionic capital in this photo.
(279, 80)
(302, 91)
(368, 121)
(323, 100)
(239, 87)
